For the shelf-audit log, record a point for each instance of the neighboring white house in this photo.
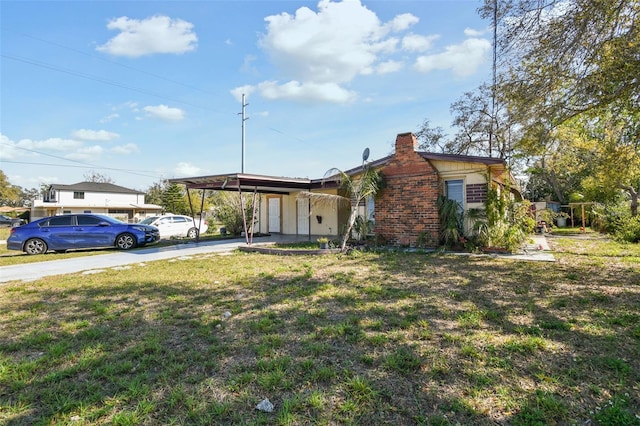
(93, 197)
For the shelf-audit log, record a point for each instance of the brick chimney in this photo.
(406, 210)
(406, 145)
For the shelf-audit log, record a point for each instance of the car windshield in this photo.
(148, 220)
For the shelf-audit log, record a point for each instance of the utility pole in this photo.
(243, 120)
(493, 87)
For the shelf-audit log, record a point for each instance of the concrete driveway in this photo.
(33, 271)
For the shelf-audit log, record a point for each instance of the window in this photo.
(454, 191)
(89, 220)
(64, 220)
(87, 211)
(78, 195)
(371, 209)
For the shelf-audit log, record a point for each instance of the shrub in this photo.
(628, 229)
(228, 211)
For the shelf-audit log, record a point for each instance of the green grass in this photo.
(373, 338)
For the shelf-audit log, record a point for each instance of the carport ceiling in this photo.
(248, 182)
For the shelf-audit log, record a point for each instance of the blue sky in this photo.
(141, 91)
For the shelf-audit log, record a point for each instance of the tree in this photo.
(562, 163)
(564, 58)
(478, 121)
(173, 199)
(94, 176)
(613, 134)
(227, 208)
(10, 195)
(154, 193)
(430, 138)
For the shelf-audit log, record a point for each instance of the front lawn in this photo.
(370, 338)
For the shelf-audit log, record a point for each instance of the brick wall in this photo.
(406, 209)
(477, 193)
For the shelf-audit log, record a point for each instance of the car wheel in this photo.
(192, 233)
(35, 246)
(125, 241)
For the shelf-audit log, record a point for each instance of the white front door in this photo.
(274, 214)
(303, 216)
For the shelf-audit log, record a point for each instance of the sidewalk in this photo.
(538, 250)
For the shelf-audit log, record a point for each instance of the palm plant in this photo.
(355, 189)
(450, 221)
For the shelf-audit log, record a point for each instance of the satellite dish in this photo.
(365, 155)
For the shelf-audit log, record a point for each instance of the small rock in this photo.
(94, 271)
(121, 268)
(226, 315)
(265, 405)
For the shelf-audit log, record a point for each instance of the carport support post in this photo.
(204, 191)
(253, 213)
(244, 215)
(193, 216)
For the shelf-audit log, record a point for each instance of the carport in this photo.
(244, 184)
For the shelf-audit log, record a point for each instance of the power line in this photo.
(83, 163)
(112, 62)
(81, 167)
(98, 79)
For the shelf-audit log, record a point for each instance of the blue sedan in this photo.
(76, 231)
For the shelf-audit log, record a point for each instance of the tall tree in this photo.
(562, 58)
(173, 199)
(154, 193)
(571, 65)
(10, 195)
(613, 135)
(94, 176)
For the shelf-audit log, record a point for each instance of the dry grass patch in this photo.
(386, 338)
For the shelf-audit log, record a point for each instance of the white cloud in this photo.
(157, 34)
(109, 118)
(325, 49)
(470, 32)
(402, 22)
(242, 90)
(418, 43)
(126, 149)
(186, 169)
(306, 92)
(51, 144)
(164, 112)
(94, 135)
(89, 153)
(389, 67)
(463, 59)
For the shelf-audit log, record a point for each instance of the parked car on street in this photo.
(6, 221)
(78, 231)
(176, 225)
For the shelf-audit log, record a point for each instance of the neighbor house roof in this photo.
(95, 187)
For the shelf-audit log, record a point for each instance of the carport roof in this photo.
(248, 182)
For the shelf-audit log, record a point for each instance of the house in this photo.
(93, 197)
(404, 212)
